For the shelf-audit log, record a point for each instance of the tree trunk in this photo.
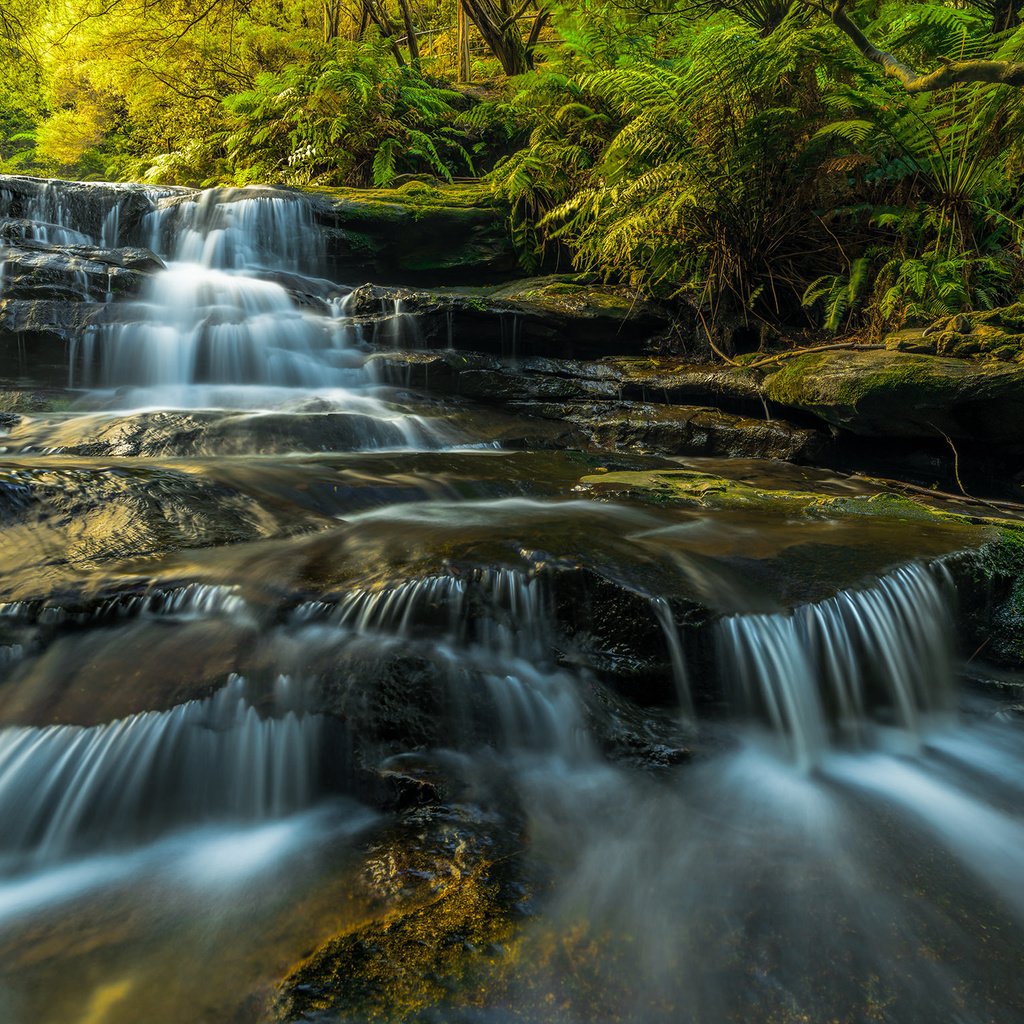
(463, 45)
(410, 32)
(1005, 15)
(498, 23)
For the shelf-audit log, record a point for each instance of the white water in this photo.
(68, 789)
(211, 330)
(862, 666)
(846, 850)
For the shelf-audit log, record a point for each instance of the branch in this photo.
(952, 72)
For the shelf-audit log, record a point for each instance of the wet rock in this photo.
(205, 432)
(586, 396)
(536, 317)
(686, 430)
(74, 273)
(63, 521)
(990, 585)
(449, 896)
(41, 208)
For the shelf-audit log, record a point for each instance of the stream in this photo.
(323, 698)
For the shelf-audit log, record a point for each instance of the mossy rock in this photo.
(898, 394)
(862, 498)
(416, 234)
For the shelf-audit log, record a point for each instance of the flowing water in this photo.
(286, 654)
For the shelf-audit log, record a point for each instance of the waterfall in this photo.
(68, 789)
(226, 232)
(45, 218)
(488, 637)
(197, 325)
(846, 668)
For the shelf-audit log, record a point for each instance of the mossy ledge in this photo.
(904, 395)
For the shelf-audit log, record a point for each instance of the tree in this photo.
(951, 72)
(498, 23)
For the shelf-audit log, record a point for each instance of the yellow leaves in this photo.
(65, 136)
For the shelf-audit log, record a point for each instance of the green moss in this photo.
(689, 488)
(827, 378)
(418, 195)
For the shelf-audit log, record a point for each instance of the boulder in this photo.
(905, 395)
(418, 233)
(74, 273)
(685, 430)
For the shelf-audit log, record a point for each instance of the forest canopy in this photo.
(845, 167)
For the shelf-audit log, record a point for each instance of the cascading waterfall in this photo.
(69, 789)
(848, 666)
(235, 233)
(45, 218)
(488, 636)
(815, 834)
(215, 317)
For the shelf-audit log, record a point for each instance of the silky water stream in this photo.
(254, 702)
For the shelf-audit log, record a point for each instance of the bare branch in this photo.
(952, 72)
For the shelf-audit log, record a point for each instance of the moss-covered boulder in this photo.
(418, 233)
(989, 333)
(905, 395)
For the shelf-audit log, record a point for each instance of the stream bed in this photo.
(324, 698)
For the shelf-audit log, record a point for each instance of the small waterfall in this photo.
(846, 667)
(197, 325)
(397, 328)
(45, 218)
(226, 233)
(67, 789)
(488, 637)
(677, 659)
(110, 234)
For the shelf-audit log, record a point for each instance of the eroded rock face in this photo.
(589, 395)
(535, 317)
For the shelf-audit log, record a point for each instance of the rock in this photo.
(990, 334)
(537, 317)
(204, 432)
(60, 522)
(446, 893)
(56, 211)
(417, 233)
(685, 430)
(903, 395)
(797, 534)
(586, 395)
(75, 273)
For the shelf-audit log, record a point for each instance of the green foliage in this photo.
(740, 155)
(356, 117)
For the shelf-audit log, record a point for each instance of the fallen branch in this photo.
(952, 72)
(806, 351)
